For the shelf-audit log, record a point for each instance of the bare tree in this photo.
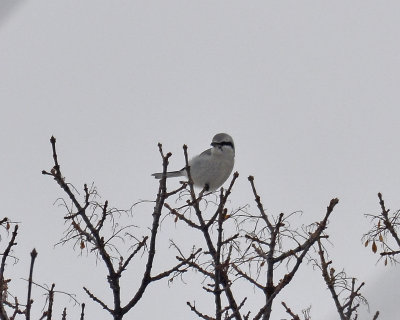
(239, 248)
(261, 244)
(87, 227)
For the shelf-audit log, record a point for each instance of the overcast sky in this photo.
(308, 90)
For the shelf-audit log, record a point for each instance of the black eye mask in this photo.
(223, 143)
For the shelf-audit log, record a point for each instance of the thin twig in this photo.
(29, 300)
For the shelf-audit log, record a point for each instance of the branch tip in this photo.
(334, 202)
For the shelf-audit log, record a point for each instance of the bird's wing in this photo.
(206, 153)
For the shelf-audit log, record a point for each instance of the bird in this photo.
(210, 169)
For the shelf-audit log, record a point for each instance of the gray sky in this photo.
(308, 90)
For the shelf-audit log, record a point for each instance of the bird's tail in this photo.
(171, 174)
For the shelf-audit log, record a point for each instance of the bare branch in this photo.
(181, 217)
(176, 268)
(3, 282)
(82, 311)
(293, 315)
(29, 300)
(266, 250)
(338, 284)
(160, 200)
(51, 301)
(259, 204)
(384, 232)
(64, 314)
(94, 298)
(198, 313)
(140, 245)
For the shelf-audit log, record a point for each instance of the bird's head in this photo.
(223, 142)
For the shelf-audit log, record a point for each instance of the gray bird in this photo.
(211, 168)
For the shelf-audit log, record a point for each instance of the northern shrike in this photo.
(211, 168)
